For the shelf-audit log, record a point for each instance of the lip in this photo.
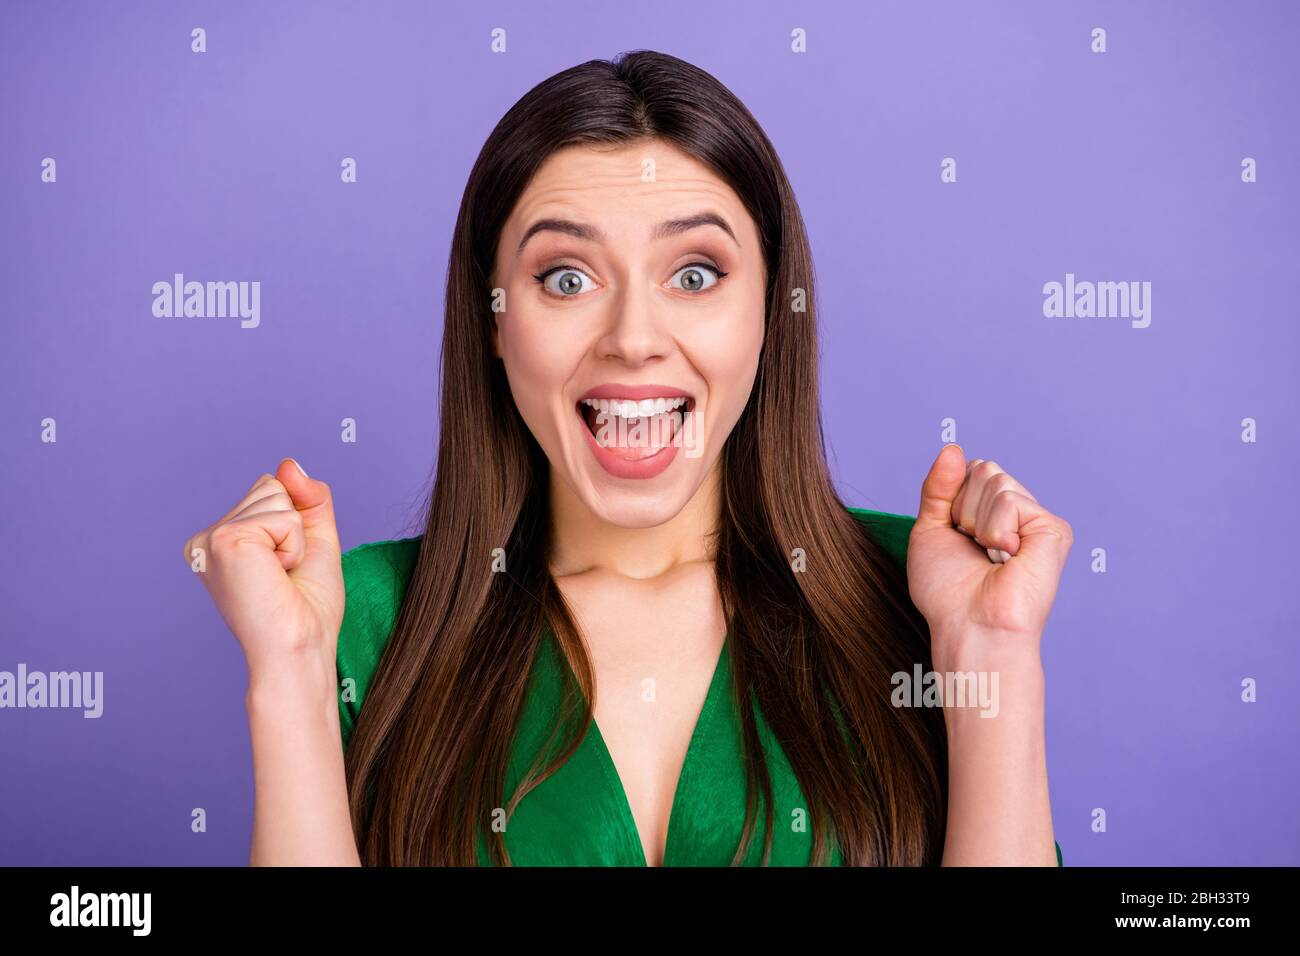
(641, 468)
(615, 390)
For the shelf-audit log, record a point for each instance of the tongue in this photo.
(632, 438)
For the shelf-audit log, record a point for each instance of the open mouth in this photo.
(633, 429)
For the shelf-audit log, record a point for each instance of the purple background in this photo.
(225, 166)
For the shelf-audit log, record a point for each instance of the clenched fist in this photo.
(274, 570)
(984, 559)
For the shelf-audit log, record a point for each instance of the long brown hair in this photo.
(427, 761)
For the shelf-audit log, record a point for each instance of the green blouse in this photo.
(580, 815)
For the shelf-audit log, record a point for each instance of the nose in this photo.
(636, 328)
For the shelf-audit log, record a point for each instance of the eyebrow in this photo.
(670, 227)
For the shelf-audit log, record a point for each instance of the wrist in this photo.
(971, 647)
(291, 682)
(994, 675)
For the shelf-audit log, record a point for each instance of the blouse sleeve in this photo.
(374, 580)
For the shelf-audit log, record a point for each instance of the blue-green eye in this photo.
(697, 277)
(568, 280)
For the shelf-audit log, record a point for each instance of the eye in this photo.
(568, 280)
(696, 277)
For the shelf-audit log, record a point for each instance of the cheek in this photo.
(726, 354)
(538, 363)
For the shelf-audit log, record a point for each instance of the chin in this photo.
(638, 508)
(631, 502)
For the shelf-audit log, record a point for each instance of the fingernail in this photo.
(302, 471)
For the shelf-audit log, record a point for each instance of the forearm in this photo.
(300, 815)
(999, 811)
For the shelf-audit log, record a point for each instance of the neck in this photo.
(582, 541)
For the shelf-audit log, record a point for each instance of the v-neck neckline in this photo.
(627, 819)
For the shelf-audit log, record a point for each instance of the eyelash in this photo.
(541, 277)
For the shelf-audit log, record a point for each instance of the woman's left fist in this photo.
(966, 512)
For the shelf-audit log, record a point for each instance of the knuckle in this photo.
(1002, 481)
(223, 538)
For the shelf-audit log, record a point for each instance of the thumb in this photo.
(314, 502)
(940, 488)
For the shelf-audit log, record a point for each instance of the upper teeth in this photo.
(629, 408)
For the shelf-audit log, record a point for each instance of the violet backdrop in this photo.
(225, 165)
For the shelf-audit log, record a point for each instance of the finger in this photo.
(995, 485)
(1022, 527)
(966, 509)
(940, 486)
(258, 489)
(200, 538)
(195, 543)
(279, 531)
(274, 501)
(264, 485)
(1000, 526)
(961, 496)
(315, 504)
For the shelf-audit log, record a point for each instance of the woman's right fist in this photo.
(275, 572)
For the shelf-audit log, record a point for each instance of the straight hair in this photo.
(427, 761)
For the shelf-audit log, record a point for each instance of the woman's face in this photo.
(633, 318)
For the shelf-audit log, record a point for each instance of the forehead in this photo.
(625, 188)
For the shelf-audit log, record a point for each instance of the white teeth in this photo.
(630, 408)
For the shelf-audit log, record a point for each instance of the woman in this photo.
(640, 627)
